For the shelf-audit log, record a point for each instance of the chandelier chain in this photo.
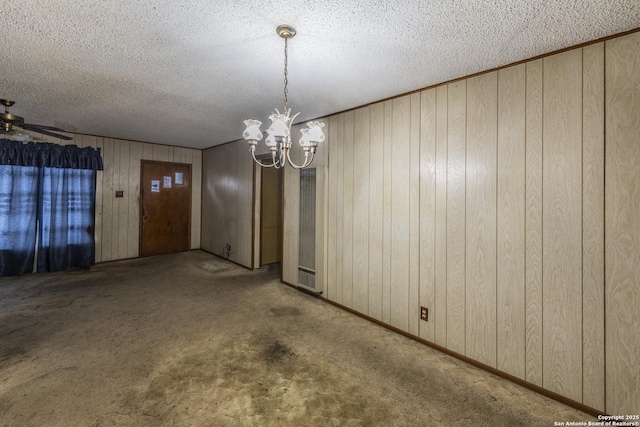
(286, 80)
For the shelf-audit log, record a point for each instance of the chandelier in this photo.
(279, 133)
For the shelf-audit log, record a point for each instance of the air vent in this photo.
(307, 243)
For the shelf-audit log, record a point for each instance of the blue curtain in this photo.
(67, 219)
(18, 207)
(51, 188)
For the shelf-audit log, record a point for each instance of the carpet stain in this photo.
(278, 352)
(215, 266)
(260, 380)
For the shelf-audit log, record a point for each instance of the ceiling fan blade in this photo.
(34, 127)
(44, 132)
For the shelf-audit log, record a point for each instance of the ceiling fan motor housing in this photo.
(7, 121)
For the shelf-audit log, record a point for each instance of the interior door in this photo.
(165, 208)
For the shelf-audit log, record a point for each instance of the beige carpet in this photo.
(190, 340)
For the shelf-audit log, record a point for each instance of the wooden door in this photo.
(165, 208)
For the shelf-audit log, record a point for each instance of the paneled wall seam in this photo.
(466, 147)
(582, 228)
(542, 322)
(526, 224)
(604, 221)
(368, 208)
(497, 351)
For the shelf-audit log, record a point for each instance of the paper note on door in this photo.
(167, 182)
(178, 180)
(155, 186)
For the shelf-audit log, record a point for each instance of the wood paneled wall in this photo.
(118, 219)
(291, 210)
(484, 200)
(622, 225)
(227, 201)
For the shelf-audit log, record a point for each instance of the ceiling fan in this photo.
(8, 121)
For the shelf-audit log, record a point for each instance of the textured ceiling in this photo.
(188, 73)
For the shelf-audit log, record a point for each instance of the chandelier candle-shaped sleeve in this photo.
(252, 133)
(279, 126)
(312, 136)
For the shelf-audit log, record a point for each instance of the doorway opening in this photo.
(270, 216)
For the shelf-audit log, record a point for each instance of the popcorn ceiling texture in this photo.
(188, 73)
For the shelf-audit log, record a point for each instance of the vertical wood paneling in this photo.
(440, 292)
(230, 202)
(245, 195)
(257, 214)
(77, 140)
(511, 322)
(188, 159)
(593, 226)
(376, 207)
(386, 219)
(322, 199)
(196, 198)
(347, 200)
(163, 153)
(427, 208)
(456, 149)
(123, 202)
(562, 224)
(339, 209)
(622, 224)
(321, 228)
(414, 217)
(484, 201)
(132, 193)
(233, 201)
(107, 199)
(147, 151)
(533, 222)
(361, 211)
(400, 174)
(179, 154)
(291, 222)
(210, 204)
(480, 256)
(332, 233)
(115, 218)
(291, 240)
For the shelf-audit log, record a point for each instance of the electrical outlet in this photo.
(424, 314)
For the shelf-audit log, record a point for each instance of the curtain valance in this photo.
(49, 155)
